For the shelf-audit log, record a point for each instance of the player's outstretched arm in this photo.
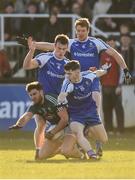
(119, 59)
(44, 46)
(117, 56)
(22, 121)
(104, 69)
(29, 62)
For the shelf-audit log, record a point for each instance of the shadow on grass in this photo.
(53, 161)
(23, 140)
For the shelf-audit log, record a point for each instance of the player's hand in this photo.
(15, 126)
(31, 44)
(127, 77)
(49, 135)
(106, 66)
(22, 40)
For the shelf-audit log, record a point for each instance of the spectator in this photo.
(124, 28)
(107, 24)
(76, 9)
(111, 92)
(12, 25)
(5, 69)
(65, 6)
(85, 9)
(55, 9)
(51, 29)
(44, 6)
(30, 26)
(127, 51)
(20, 6)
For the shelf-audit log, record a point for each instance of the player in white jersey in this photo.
(77, 90)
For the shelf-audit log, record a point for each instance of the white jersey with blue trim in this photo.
(87, 52)
(51, 72)
(80, 94)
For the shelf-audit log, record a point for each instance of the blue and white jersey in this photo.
(51, 72)
(80, 94)
(87, 52)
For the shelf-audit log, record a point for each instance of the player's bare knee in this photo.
(41, 156)
(104, 139)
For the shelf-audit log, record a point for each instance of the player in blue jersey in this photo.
(77, 90)
(87, 50)
(50, 74)
(50, 65)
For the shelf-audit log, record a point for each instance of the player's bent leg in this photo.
(100, 135)
(77, 128)
(49, 149)
(39, 132)
(69, 147)
(99, 132)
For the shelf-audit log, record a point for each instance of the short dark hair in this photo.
(62, 38)
(33, 85)
(83, 22)
(72, 65)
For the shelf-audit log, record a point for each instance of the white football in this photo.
(59, 134)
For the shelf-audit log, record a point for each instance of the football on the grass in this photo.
(58, 134)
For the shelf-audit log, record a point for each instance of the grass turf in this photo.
(17, 152)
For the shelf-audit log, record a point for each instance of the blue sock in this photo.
(98, 144)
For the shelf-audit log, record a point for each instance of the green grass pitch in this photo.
(17, 152)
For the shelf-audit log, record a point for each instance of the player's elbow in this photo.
(26, 66)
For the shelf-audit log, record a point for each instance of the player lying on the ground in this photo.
(46, 107)
(77, 90)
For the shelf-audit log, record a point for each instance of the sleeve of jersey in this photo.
(101, 45)
(89, 74)
(67, 86)
(42, 59)
(31, 109)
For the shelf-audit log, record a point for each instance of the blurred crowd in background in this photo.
(46, 29)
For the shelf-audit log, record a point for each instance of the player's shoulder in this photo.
(46, 54)
(98, 41)
(71, 41)
(93, 39)
(51, 98)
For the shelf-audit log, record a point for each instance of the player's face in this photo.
(60, 50)
(73, 76)
(82, 33)
(35, 95)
